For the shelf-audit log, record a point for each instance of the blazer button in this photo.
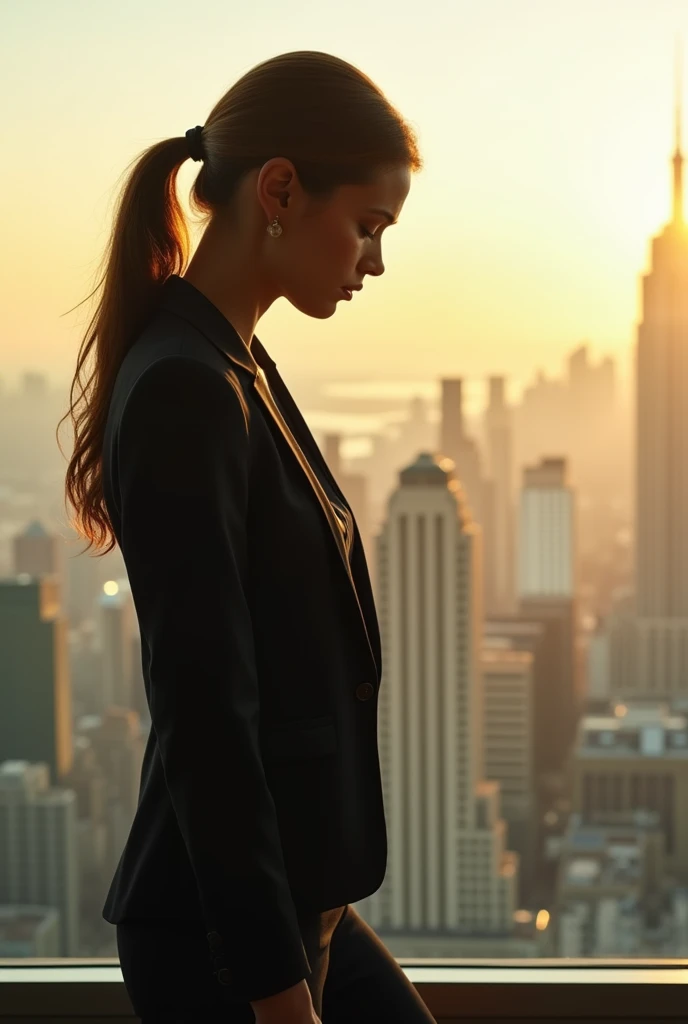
(214, 941)
(364, 691)
(224, 977)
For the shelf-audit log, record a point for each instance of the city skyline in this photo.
(532, 707)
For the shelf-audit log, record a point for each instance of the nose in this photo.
(374, 266)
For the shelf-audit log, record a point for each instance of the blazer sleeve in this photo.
(183, 460)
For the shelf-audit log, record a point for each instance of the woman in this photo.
(260, 816)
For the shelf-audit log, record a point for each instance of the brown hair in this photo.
(318, 111)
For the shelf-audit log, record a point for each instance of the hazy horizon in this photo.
(546, 129)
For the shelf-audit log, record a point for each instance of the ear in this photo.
(275, 184)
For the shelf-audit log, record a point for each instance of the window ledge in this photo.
(455, 990)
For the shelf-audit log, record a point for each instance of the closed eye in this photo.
(367, 234)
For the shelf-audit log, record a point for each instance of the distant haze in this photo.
(546, 127)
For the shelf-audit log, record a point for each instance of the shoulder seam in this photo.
(229, 375)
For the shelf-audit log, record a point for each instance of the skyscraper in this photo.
(37, 552)
(39, 842)
(507, 679)
(635, 758)
(499, 597)
(448, 868)
(458, 446)
(546, 592)
(662, 456)
(35, 686)
(117, 630)
(546, 547)
(479, 493)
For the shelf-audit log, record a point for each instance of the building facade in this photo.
(38, 837)
(547, 593)
(509, 747)
(500, 583)
(661, 638)
(636, 759)
(448, 865)
(35, 690)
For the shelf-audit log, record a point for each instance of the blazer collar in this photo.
(183, 298)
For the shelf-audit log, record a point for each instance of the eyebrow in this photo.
(384, 213)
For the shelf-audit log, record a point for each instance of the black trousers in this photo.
(168, 974)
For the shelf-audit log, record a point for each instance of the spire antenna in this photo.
(679, 63)
(677, 159)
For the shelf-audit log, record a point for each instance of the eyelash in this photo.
(367, 234)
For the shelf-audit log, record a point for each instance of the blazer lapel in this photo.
(359, 568)
(263, 388)
(283, 394)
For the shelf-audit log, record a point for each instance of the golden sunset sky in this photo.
(546, 127)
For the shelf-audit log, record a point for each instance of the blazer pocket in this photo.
(304, 737)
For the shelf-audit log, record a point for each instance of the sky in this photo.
(546, 127)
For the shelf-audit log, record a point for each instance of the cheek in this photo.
(321, 258)
(336, 248)
(345, 255)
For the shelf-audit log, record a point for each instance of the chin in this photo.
(322, 310)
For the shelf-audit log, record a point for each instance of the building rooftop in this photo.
(35, 529)
(427, 471)
(606, 854)
(639, 731)
(548, 473)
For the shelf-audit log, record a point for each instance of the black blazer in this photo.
(261, 795)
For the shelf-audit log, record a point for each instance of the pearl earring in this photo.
(275, 229)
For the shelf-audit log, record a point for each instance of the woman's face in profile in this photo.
(328, 244)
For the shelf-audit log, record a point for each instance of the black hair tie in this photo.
(193, 137)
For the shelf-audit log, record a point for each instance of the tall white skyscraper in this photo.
(661, 654)
(547, 532)
(448, 869)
